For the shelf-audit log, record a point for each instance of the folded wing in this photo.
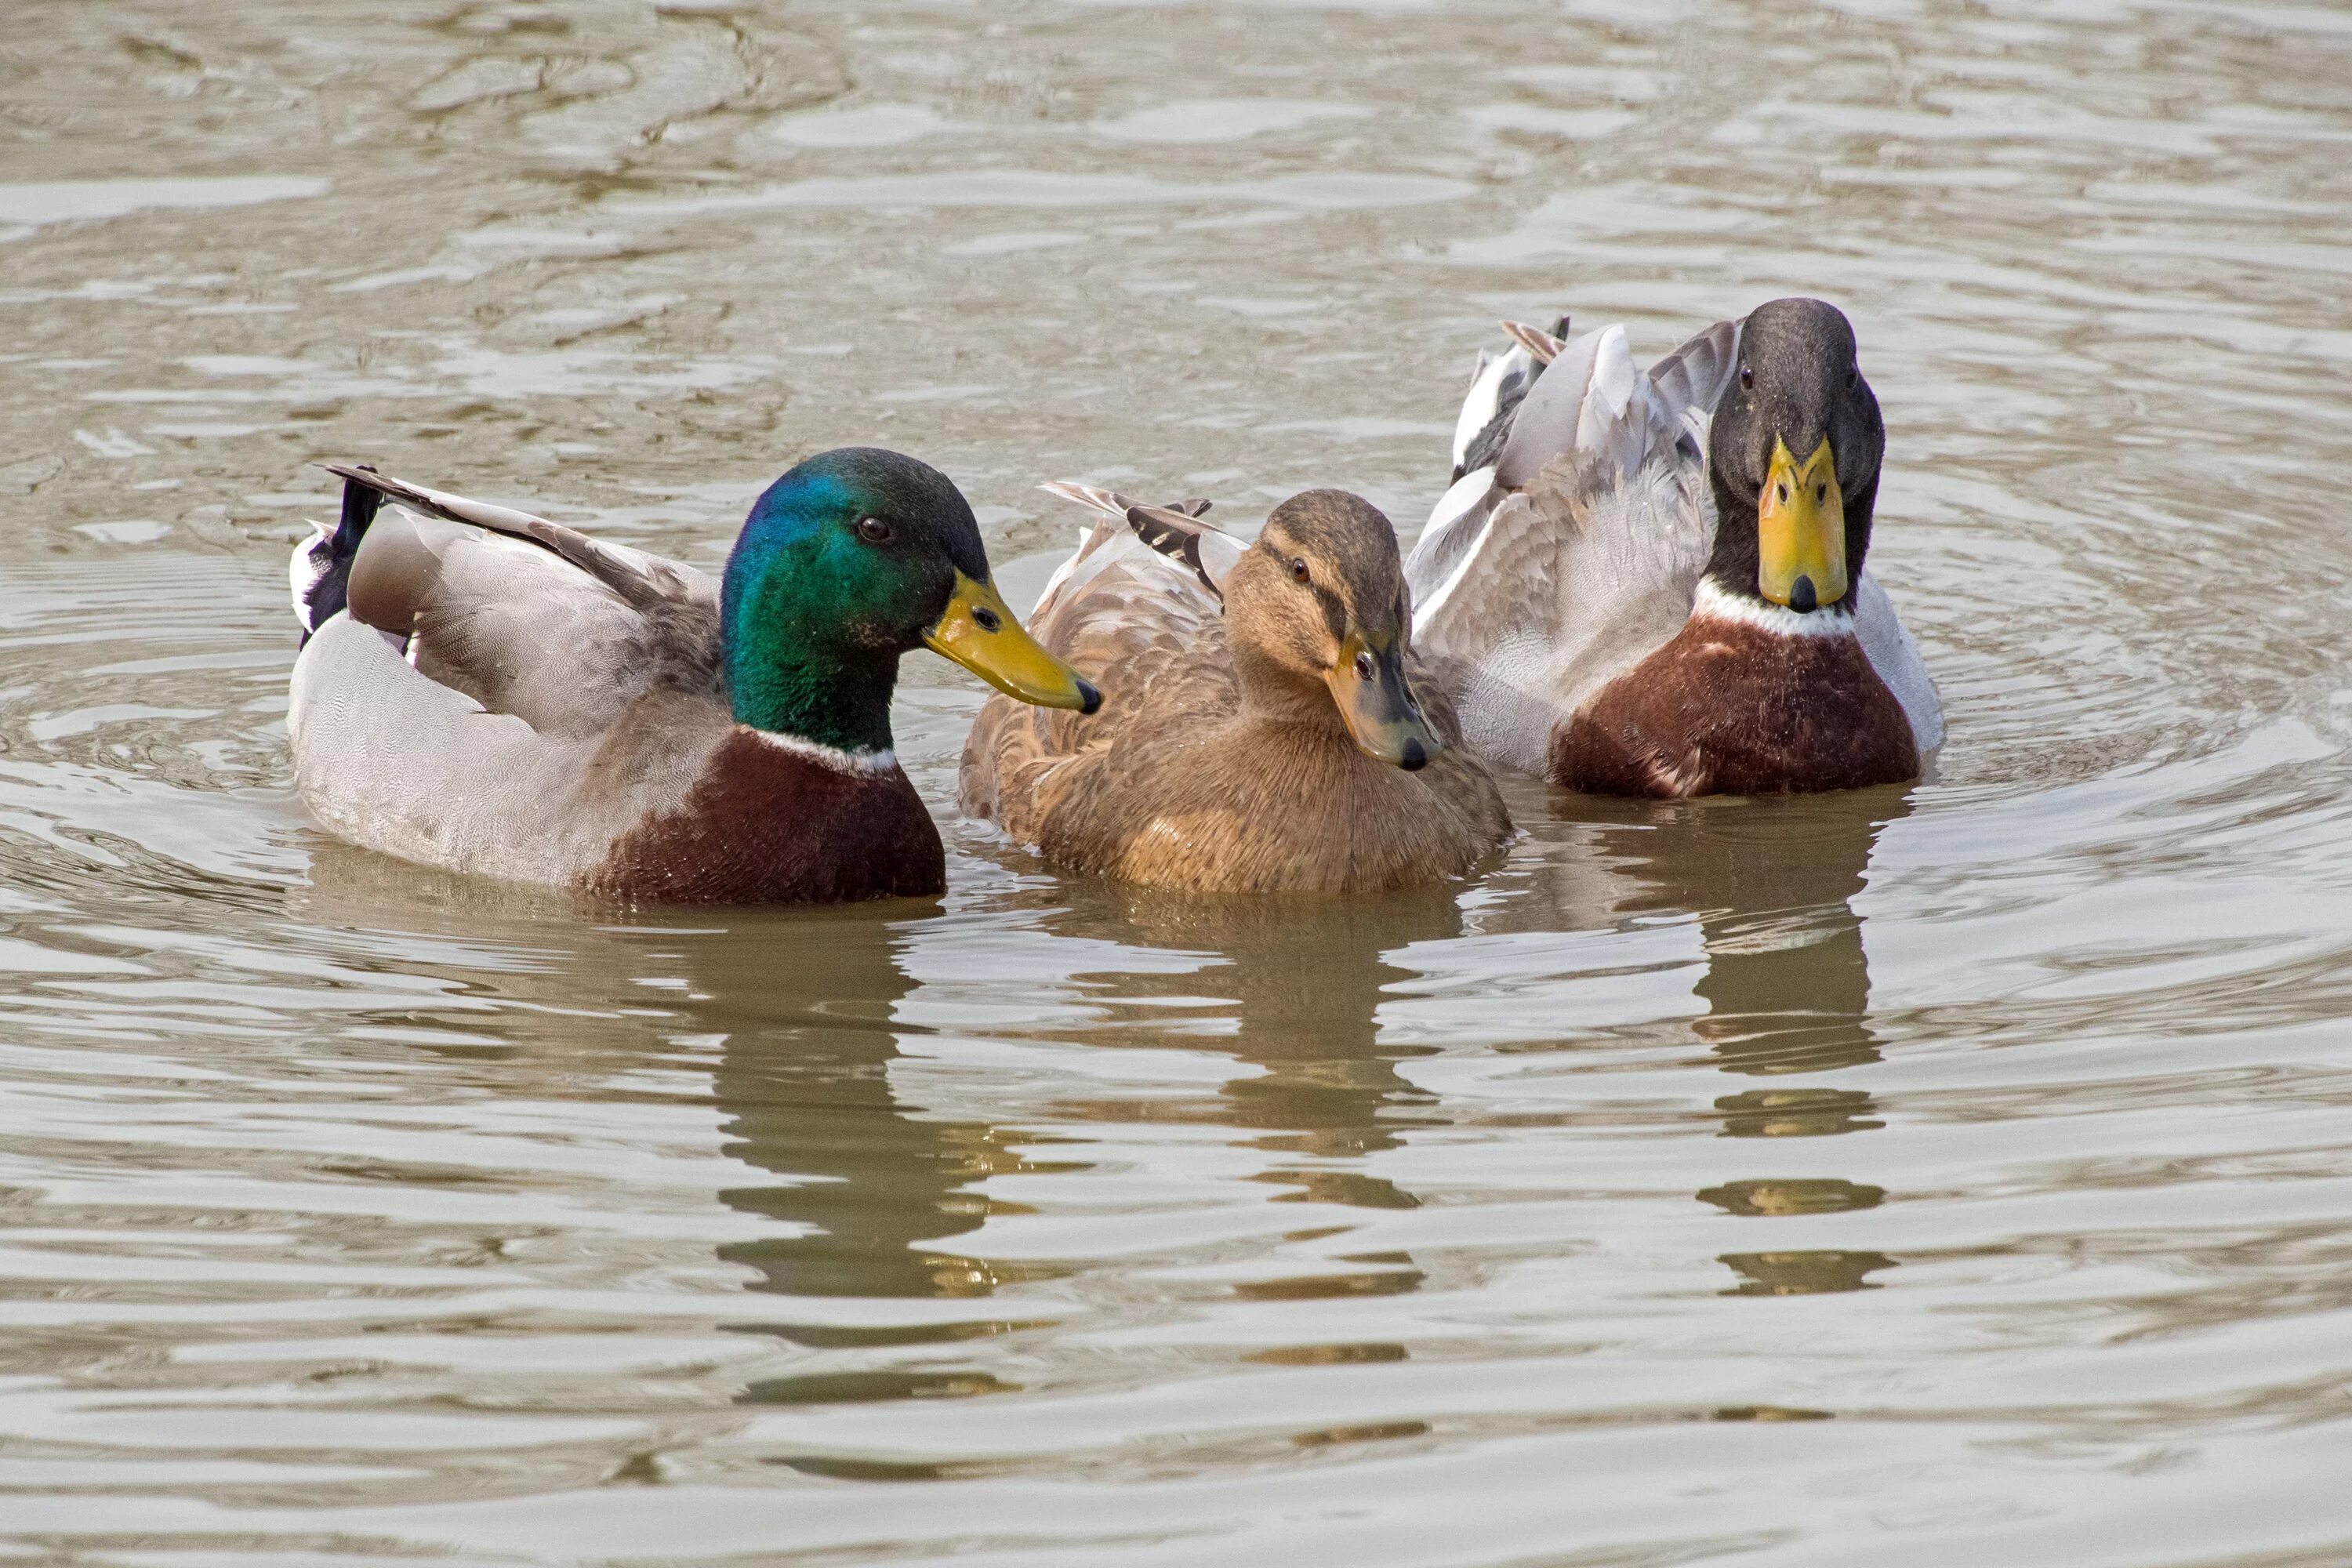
(456, 709)
(1575, 552)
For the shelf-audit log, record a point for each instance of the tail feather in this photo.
(1543, 345)
(1174, 530)
(1182, 537)
(1496, 391)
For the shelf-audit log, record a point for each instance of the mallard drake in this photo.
(1654, 585)
(486, 691)
(1265, 731)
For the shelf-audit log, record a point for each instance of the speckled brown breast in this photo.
(767, 826)
(1726, 708)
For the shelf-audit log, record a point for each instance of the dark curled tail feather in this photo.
(330, 555)
(1176, 533)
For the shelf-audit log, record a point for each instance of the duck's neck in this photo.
(1733, 567)
(833, 700)
(1279, 693)
(1718, 601)
(788, 670)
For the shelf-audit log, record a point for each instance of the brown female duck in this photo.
(1263, 730)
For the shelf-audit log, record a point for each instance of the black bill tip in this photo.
(1089, 699)
(1801, 596)
(1413, 758)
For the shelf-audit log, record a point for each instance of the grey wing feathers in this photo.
(388, 758)
(1896, 657)
(543, 623)
(1590, 401)
(633, 574)
(1695, 376)
(1579, 550)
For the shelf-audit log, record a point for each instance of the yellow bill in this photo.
(1378, 707)
(1801, 530)
(981, 634)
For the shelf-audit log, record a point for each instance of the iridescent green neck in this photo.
(785, 675)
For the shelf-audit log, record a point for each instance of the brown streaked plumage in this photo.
(1728, 708)
(1222, 760)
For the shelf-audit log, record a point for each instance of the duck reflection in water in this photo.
(1787, 983)
(806, 1003)
(802, 1006)
(1293, 987)
(1772, 883)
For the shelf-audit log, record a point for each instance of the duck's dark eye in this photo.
(874, 529)
(1298, 567)
(1747, 378)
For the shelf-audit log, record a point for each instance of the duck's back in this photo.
(1148, 637)
(1578, 552)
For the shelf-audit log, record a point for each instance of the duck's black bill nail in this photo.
(1801, 596)
(1089, 698)
(1414, 759)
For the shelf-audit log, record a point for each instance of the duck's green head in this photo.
(854, 557)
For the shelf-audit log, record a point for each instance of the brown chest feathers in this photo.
(1249, 806)
(1726, 707)
(767, 824)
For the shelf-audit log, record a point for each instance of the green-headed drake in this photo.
(483, 690)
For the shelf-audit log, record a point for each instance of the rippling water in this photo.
(1955, 1175)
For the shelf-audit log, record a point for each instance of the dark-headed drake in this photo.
(1654, 585)
(488, 691)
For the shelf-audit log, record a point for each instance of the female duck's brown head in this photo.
(1319, 619)
(1794, 455)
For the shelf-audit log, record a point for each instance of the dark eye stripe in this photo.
(1335, 613)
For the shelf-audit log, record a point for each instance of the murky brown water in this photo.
(1957, 1176)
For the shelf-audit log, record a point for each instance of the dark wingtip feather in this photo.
(328, 591)
(1175, 532)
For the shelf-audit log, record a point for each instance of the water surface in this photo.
(1949, 1175)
